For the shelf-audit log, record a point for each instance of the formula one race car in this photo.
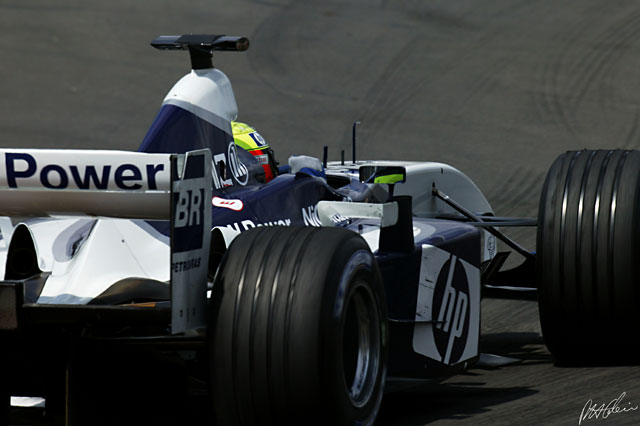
(292, 298)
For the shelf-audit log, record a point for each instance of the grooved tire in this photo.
(588, 257)
(298, 332)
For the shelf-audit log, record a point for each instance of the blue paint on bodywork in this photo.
(279, 202)
(282, 201)
(457, 238)
(401, 278)
(176, 130)
(400, 271)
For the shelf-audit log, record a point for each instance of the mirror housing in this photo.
(383, 174)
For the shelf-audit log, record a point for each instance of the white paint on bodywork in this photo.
(328, 210)
(27, 401)
(371, 234)
(228, 234)
(6, 229)
(420, 178)
(114, 249)
(431, 266)
(208, 89)
(47, 235)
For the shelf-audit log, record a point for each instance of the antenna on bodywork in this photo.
(325, 156)
(353, 140)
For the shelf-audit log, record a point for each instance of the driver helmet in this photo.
(248, 138)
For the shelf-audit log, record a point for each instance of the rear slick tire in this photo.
(299, 331)
(588, 257)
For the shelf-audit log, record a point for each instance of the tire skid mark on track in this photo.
(547, 102)
(631, 139)
(486, 81)
(400, 94)
(600, 82)
(604, 55)
(266, 34)
(552, 99)
(591, 77)
(516, 193)
(388, 94)
(607, 100)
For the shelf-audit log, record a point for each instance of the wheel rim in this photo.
(361, 345)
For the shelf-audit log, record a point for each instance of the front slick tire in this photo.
(299, 332)
(588, 257)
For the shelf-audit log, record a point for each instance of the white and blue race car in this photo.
(292, 301)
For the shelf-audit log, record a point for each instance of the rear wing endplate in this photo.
(190, 239)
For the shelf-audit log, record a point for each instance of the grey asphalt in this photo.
(496, 88)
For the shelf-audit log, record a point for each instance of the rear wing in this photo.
(119, 184)
(84, 182)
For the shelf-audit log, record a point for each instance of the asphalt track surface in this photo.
(496, 88)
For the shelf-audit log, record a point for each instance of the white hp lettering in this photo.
(452, 308)
(188, 209)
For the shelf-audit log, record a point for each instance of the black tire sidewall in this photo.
(353, 266)
(307, 385)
